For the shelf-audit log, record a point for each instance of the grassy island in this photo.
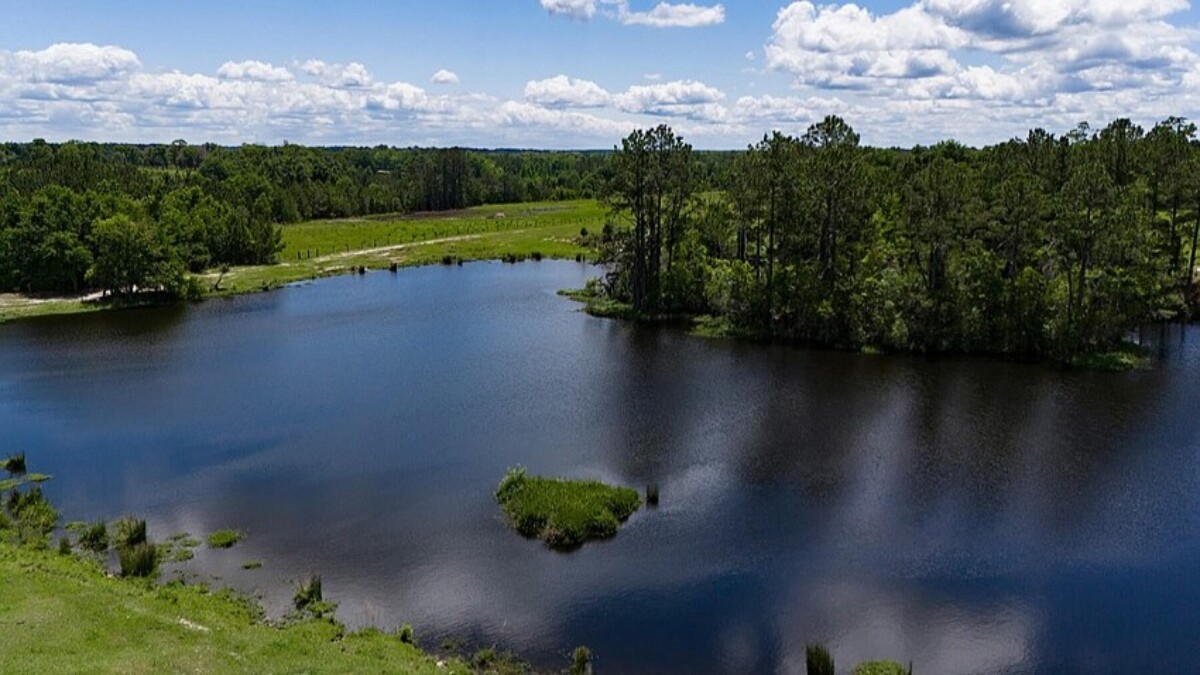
(564, 513)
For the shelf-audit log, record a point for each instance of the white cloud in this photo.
(70, 63)
(444, 76)
(580, 10)
(667, 15)
(682, 98)
(338, 75)
(663, 15)
(253, 70)
(564, 92)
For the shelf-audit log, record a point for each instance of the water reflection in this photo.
(969, 515)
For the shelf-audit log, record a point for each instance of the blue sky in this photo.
(581, 73)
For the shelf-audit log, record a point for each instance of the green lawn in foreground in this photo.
(564, 513)
(60, 614)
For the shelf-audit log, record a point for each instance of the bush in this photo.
(139, 560)
(406, 634)
(818, 660)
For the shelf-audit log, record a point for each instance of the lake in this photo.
(969, 515)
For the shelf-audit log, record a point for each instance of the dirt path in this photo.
(21, 300)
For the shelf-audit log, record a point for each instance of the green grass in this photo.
(224, 538)
(881, 668)
(326, 248)
(1126, 357)
(564, 513)
(62, 614)
(332, 247)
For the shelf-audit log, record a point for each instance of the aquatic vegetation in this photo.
(139, 560)
(882, 668)
(310, 598)
(128, 532)
(581, 661)
(564, 513)
(818, 660)
(93, 537)
(179, 547)
(15, 464)
(652, 494)
(225, 538)
(252, 565)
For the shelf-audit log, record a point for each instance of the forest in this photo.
(1046, 246)
(76, 216)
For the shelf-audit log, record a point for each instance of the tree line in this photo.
(1042, 246)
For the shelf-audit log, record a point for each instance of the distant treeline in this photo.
(1045, 245)
(171, 208)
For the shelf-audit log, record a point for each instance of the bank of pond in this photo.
(63, 600)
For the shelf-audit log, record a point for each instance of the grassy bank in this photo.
(61, 613)
(564, 513)
(327, 248)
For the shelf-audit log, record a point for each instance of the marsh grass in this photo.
(225, 538)
(128, 532)
(310, 598)
(179, 547)
(15, 464)
(652, 494)
(882, 668)
(140, 560)
(405, 634)
(564, 513)
(581, 661)
(252, 565)
(818, 660)
(93, 537)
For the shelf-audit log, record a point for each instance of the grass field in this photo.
(325, 248)
(330, 247)
(60, 614)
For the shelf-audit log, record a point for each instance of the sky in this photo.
(583, 73)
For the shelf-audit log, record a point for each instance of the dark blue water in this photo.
(968, 515)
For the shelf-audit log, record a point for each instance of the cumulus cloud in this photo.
(338, 75)
(667, 15)
(1036, 54)
(253, 70)
(580, 10)
(444, 76)
(684, 98)
(70, 63)
(564, 92)
(662, 15)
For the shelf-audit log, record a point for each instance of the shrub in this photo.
(139, 560)
(536, 255)
(406, 634)
(447, 260)
(64, 546)
(818, 660)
